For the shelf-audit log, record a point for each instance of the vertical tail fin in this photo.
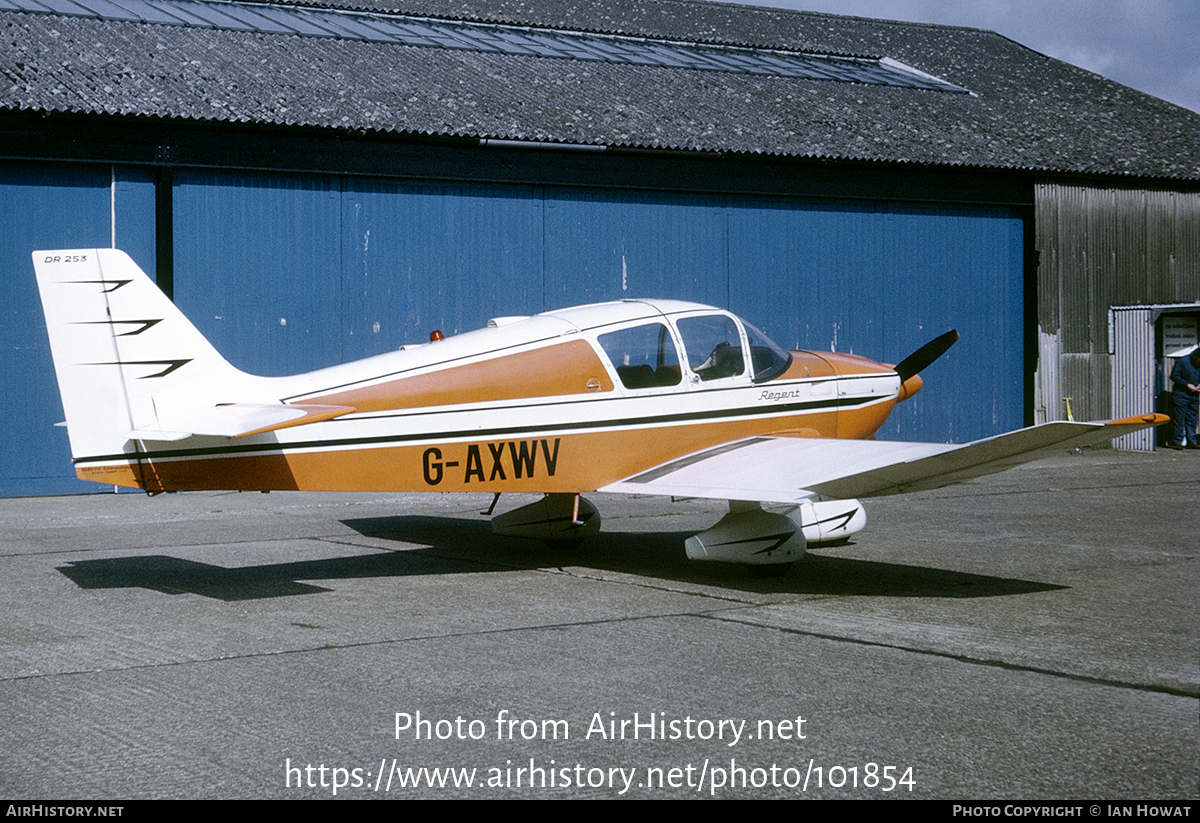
(117, 343)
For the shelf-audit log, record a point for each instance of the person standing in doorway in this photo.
(1185, 386)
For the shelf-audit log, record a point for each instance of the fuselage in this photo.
(566, 401)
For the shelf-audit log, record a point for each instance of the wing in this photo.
(792, 469)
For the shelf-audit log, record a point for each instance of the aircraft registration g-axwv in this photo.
(644, 396)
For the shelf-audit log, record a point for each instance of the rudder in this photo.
(118, 343)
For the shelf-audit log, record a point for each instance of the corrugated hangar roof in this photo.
(661, 74)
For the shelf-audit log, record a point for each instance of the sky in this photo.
(1151, 45)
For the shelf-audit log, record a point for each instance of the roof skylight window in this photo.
(346, 24)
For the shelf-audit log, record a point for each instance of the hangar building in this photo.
(316, 182)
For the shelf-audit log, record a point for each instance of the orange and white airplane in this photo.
(644, 396)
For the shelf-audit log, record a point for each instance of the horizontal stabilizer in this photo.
(238, 420)
(791, 469)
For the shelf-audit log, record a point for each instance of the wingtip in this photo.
(1141, 420)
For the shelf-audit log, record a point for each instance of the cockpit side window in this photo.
(713, 345)
(644, 356)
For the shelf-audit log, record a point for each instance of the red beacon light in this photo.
(436, 335)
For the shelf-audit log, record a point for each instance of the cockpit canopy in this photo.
(716, 347)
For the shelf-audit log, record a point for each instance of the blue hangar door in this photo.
(288, 273)
(53, 206)
(871, 278)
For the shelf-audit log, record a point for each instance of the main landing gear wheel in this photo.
(750, 536)
(561, 520)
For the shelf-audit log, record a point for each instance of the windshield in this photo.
(767, 359)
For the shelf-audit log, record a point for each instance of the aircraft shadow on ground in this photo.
(445, 545)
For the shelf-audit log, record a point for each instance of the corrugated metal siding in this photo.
(1099, 248)
(1133, 372)
(42, 208)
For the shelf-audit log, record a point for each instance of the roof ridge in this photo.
(519, 19)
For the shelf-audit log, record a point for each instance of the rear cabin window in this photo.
(644, 356)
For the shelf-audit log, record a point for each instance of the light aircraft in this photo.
(655, 397)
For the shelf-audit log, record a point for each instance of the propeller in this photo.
(925, 355)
